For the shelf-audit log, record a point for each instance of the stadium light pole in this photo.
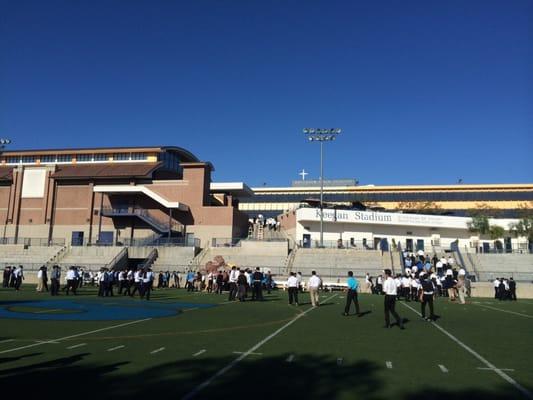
(321, 136)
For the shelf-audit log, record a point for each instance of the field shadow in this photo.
(12, 359)
(302, 377)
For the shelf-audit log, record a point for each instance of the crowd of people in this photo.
(267, 223)
(422, 278)
(13, 277)
(504, 289)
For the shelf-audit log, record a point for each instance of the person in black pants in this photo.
(54, 280)
(292, 285)
(351, 296)
(427, 290)
(220, 282)
(512, 288)
(257, 281)
(391, 291)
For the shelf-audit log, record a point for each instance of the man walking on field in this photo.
(351, 296)
(314, 284)
(391, 291)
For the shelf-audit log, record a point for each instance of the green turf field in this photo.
(481, 350)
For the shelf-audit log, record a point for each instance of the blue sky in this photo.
(425, 92)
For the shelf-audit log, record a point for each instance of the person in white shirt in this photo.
(147, 281)
(496, 284)
(233, 276)
(299, 278)
(406, 287)
(71, 280)
(391, 291)
(368, 283)
(121, 281)
(314, 284)
(137, 282)
(40, 285)
(414, 289)
(18, 276)
(292, 285)
(398, 282)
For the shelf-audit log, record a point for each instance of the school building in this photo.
(119, 195)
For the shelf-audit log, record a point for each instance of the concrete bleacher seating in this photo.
(90, 257)
(335, 263)
(251, 253)
(173, 258)
(31, 257)
(490, 266)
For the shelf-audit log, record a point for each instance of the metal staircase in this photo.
(143, 214)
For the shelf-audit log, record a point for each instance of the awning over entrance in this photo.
(117, 189)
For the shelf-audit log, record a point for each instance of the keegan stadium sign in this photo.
(382, 218)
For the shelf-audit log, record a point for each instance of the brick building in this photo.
(114, 195)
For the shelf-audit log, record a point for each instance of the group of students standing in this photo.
(13, 277)
(504, 289)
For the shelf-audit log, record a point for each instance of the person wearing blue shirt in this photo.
(351, 296)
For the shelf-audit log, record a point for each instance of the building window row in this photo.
(395, 197)
(68, 158)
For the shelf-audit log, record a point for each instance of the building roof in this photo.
(184, 154)
(234, 188)
(105, 170)
(398, 188)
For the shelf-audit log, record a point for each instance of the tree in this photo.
(483, 209)
(424, 207)
(496, 232)
(524, 227)
(479, 224)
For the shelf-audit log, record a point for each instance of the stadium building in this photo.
(114, 196)
(504, 199)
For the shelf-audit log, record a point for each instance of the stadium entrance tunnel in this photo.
(87, 310)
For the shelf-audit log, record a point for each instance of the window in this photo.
(170, 161)
(48, 159)
(63, 158)
(139, 156)
(101, 157)
(12, 160)
(121, 156)
(84, 157)
(28, 159)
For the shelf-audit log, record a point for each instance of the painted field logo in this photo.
(88, 310)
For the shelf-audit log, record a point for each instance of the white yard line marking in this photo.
(157, 350)
(443, 368)
(47, 311)
(45, 341)
(7, 340)
(388, 364)
(76, 346)
(492, 369)
(499, 372)
(116, 348)
(74, 336)
(242, 352)
(505, 311)
(290, 358)
(221, 372)
(200, 352)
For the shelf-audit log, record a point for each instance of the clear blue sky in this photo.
(425, 92)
